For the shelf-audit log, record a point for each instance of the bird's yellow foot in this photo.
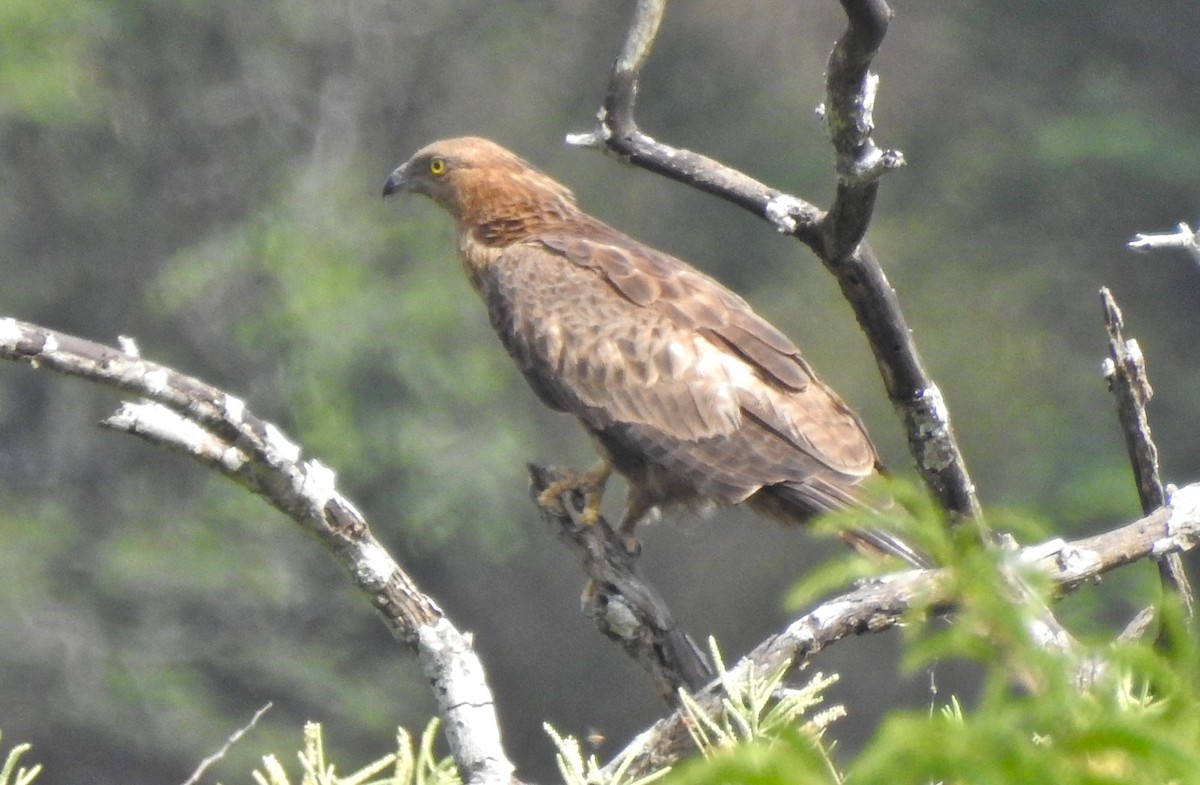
(590, 484)
(636, 509)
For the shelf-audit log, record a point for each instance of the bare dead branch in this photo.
(217, 430)
(836, 238)
(623, 605)
(888, 601)
(1125, 372)
(1182, 238)
(229, 742)
(835, 241)
(850, 90)
(617, 132)
(185, 414)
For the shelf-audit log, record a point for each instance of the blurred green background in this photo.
(204, 176)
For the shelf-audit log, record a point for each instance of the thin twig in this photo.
(221, 753)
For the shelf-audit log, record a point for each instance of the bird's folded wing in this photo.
(618, 333)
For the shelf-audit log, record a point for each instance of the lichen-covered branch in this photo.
(216, 429)
(850, 90)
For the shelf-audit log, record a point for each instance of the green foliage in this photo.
(577, 770)
(1032, 721)
(46, 73)
(408, 766)
(756, 708)
(795, 758)
(13, 774)
(755, 711)
(1139, 723)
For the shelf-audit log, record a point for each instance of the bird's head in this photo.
(475, 180)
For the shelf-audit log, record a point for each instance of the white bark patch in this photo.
(156, 380)
(128, 346)
(781, 212)
(373, 566)
(319, 484)
(10, 332)
(234, 408)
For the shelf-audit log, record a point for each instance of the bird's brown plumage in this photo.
(685, 390)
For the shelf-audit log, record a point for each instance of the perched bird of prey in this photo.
(684, 389)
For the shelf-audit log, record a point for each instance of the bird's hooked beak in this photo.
(398, 180)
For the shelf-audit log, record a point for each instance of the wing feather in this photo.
(592, 353)
(663, 361)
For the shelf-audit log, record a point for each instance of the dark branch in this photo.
(850, 98)
(834, 239)
(624, 606)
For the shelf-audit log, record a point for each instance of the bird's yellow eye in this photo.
(437, 165)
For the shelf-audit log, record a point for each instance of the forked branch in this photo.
(834, 236)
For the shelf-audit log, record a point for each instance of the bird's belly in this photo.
(654, 479)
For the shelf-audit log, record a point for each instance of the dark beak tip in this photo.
(397, 181)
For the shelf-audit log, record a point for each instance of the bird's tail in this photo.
(799, 502)
(873, 542)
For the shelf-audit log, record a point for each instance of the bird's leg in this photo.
(590, 484)
(636, 507)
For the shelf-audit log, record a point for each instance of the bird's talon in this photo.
(590, 515)
(589, 484)
(548, 499)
